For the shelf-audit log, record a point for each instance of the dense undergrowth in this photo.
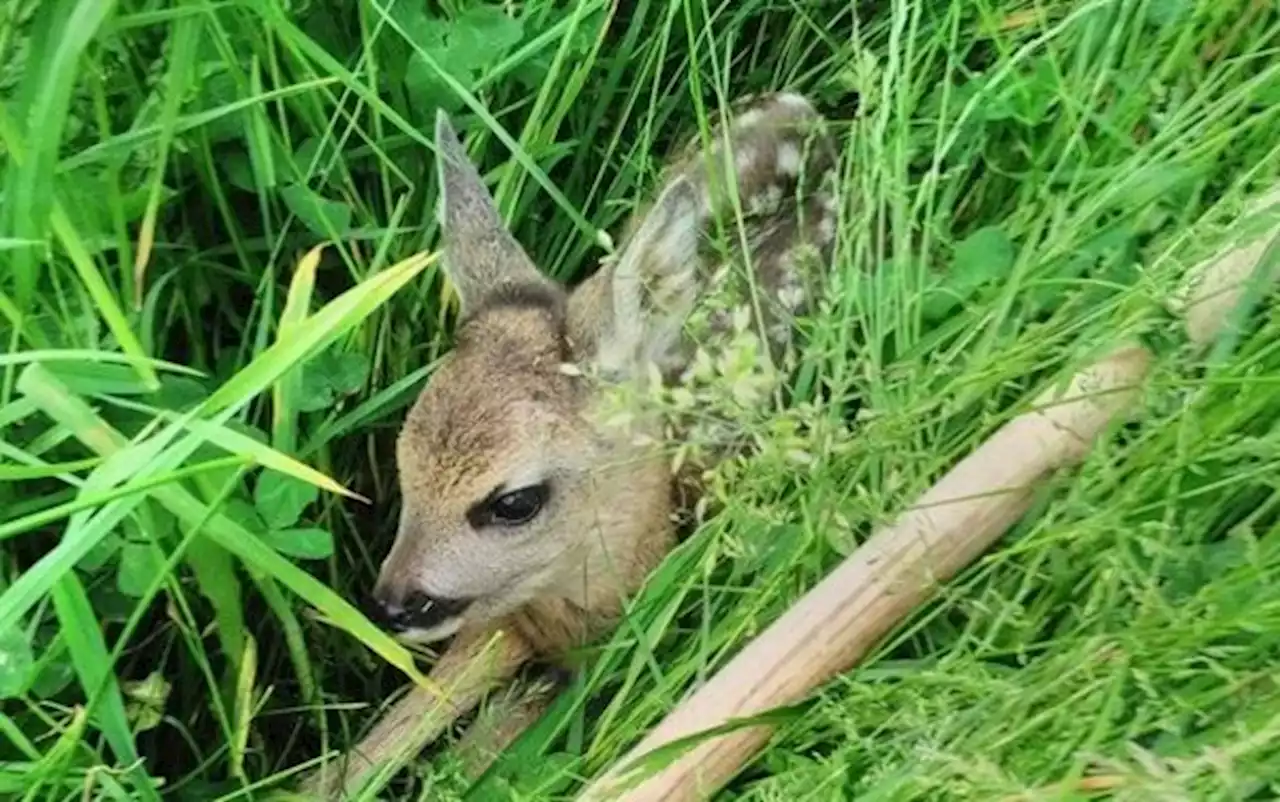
(1026, 183)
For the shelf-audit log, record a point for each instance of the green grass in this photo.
(185, 395)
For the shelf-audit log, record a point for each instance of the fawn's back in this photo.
(521, 505)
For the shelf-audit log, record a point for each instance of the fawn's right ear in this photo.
(480, 254)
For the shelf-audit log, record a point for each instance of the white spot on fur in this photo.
(829, 185)
(743, 159)
(826, 229)
(774, 194)
(780, 333)
(766, 201)
(749, 119)
(789, 159)
(791, 296)
(795, 102)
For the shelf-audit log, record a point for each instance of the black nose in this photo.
(418, 611)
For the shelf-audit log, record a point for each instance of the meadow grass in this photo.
(191, 395)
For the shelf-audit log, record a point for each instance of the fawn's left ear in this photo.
(654, 285)
(480, 254)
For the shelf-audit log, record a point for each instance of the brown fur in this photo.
(503, 412)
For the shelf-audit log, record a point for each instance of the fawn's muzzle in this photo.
(418, 611)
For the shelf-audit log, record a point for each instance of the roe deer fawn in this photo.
(524, 514)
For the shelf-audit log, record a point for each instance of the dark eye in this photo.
(514, 508)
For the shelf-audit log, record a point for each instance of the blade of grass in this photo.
(244, 708)
(69, 26)
(182, 54)
(284, 424)
(93, 664)
(85, 267)
(242, 445)
(95, 499)
(9, 473)
(123, 144)
(56, 759)
(89, 355)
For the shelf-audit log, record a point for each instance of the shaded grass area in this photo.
(1026, 185)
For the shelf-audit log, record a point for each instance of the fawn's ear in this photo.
(653, 286)
(480, 254)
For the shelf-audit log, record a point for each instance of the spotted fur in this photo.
(782, 173)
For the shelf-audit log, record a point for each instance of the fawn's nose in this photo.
(417, 610)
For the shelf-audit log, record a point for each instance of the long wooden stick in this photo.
(842, 618)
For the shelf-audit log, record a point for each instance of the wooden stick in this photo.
(1215, 286)
(839, 621)
(469, 669)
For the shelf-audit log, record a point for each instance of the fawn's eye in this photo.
(511, 509)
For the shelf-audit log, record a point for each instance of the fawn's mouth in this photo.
(420, 617)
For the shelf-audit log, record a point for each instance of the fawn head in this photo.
(511, 489)
(508, 490)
